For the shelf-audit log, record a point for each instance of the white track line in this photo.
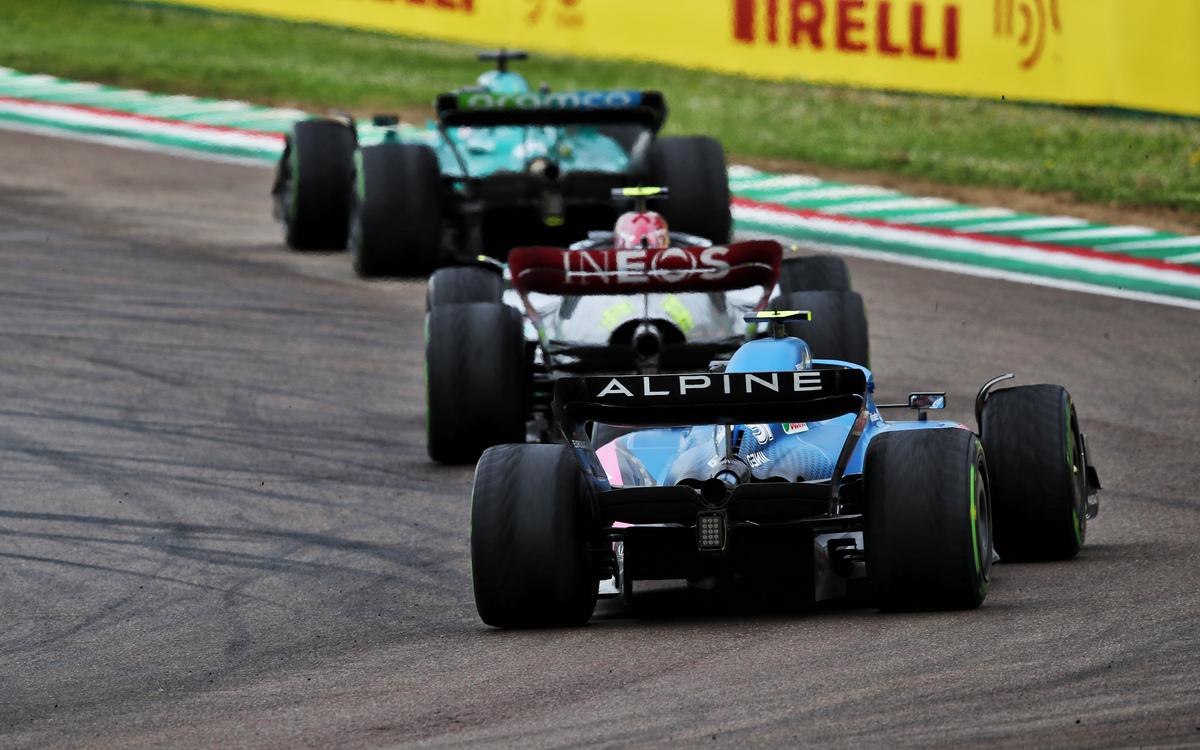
(964, 214)
(778, 182)
(886, 204)
(1024, 225)
(1163, 244)
(131, 124)
(135, 144)
(1097, 233)
(835, 193)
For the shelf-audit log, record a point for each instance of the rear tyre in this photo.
(693, 169)
(314, 185)
(1038, 472)
(460, 285)
(927, 520)
(814, 273)
(838, 329)
(529, 539)
(476, 380)
(397, 227)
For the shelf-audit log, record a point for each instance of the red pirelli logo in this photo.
(895, 28)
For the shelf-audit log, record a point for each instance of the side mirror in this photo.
(927, 400)
(922, 402)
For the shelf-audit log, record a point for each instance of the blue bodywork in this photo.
(780, 451)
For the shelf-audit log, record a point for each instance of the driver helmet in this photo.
(641, 230)
(497, 82)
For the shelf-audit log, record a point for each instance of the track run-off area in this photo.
(219, 527)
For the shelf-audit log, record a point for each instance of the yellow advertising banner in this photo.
(1140, 54)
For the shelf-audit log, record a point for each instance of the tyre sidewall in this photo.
(927, 527)
(529, 535)
(476, 380)
(397, 221)
(316, 191)
(459, 285)
(1031, 435)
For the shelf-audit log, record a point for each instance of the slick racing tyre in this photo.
(838, 329)
(529, 538)
(459, 285)
(314, 185)
(397, 227)
(693, 169)
(476, 380)
(1038, 472)
(927, 525)
(814, 273)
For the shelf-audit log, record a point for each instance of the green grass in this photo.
(1110, 158)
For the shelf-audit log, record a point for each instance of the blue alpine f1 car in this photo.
(774, 466)
(502, 165)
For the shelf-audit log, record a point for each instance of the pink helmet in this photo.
(641, 230)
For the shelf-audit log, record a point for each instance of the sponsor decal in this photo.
(679, 313)
(888, 29)
(670, 265)
(565, 14)
(1030, 22)
(655, 386)
(553, 100)
(757, 459)
(791, 428)
(616, 314)
(761, 432)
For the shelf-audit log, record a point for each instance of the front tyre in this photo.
(529, 538)
(476, 380)
(1039, 480)
(397, 227)
(927, 526)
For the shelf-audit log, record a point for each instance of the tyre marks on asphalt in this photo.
(287, 568)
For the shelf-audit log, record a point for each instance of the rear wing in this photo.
(619, 107)
(739, 265)
(710, 398)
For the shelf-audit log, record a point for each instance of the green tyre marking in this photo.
(294, 185)
(1075, 469)
(975, 521)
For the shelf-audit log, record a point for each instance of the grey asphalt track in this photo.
(218, 526)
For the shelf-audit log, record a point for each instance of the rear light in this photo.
(711, 532)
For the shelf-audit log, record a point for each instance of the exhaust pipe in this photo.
(731, 472)
(647, 342)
